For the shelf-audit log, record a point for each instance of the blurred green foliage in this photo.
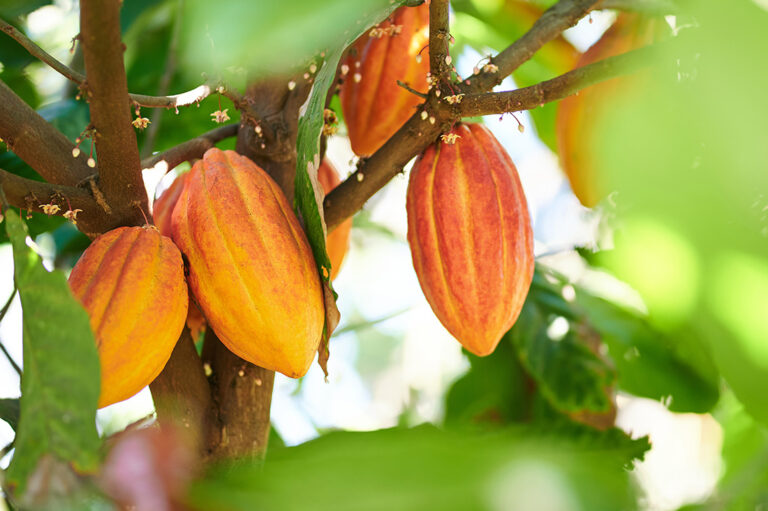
(425, 468)
(691, 183)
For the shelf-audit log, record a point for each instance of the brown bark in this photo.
(107, 93)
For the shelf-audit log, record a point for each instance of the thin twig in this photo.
(191, 149)
(3, 312)
(557, 18)
(184, 99)
(555, 89)
(412, 90)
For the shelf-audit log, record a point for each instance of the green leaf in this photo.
(650, 363)
(9, 411)
(569, 374)
(425, 468)
(308, 139)
(60, 385)
(493, 392)
(13, 8)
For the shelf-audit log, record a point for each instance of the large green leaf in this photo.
(425, 468)
(60, 385)
(569, 373)
(311, 126)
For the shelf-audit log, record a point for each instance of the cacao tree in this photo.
(207, 289)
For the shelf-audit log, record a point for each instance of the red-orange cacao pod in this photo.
(131, 282)
(251, 268)
(470, 236)
(161, 212)
(577, 124)
(337, 242)
(373, 104)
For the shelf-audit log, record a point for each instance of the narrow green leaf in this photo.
(425, 468)
(60, 385)
(308, 140)
(9, 411)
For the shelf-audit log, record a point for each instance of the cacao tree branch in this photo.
(107, 92)
(557, 18)
(242, 394)
(29, 194)
(182, 394)
(191, 149)
(555, 89)
(183, 99)
(37, 142)
(417, 133)
(439, 38)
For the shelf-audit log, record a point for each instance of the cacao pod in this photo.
(131, 282)
(373, 104)
(470, 236)
(578, 140)
(251, 268)
(161, 211)
(337, 242)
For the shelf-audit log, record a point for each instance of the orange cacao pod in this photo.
(373, 104)
(470, 236)
(251, 269)
(577, 116)
(131, 282)
(337, 242)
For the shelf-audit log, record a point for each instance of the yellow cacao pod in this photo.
(373, 104)
(251, 268)
(337, 242)
(131, 282)
(470, 236)
(578, 134)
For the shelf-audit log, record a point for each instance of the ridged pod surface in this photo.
(131, 282)
(337, 242)
(251, 269)
(373, 104)
(578, 139)
(470, 236)
(161, 212)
